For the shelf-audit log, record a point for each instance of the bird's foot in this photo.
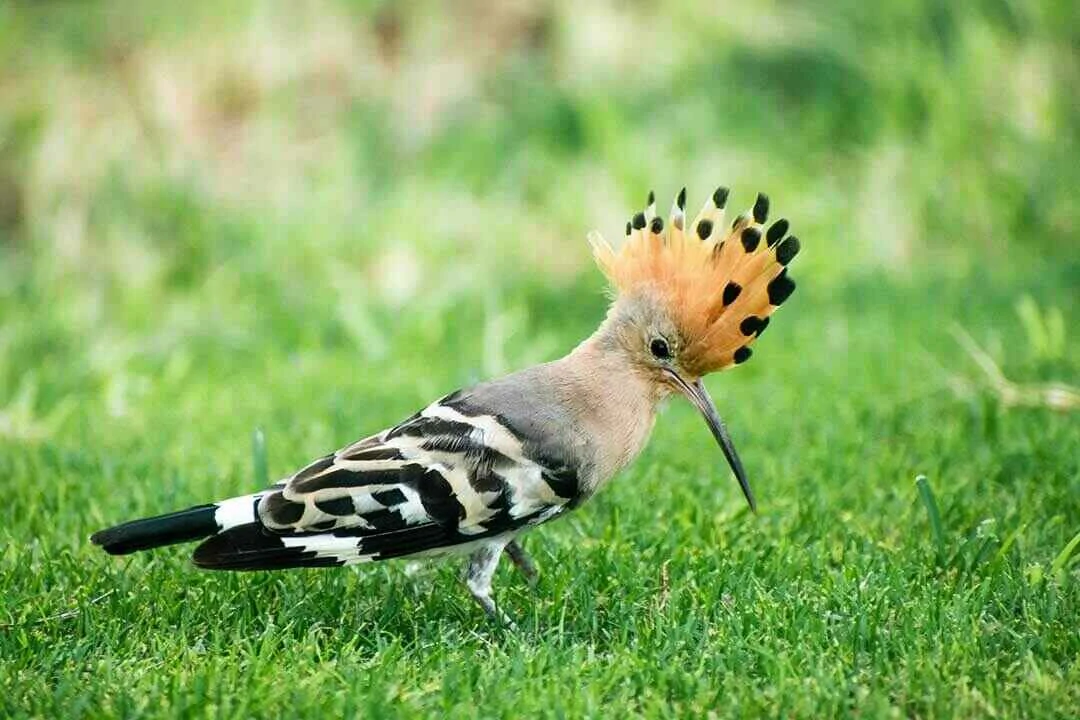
(478, 574)
(523, 562)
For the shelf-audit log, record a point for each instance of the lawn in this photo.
(303, 224)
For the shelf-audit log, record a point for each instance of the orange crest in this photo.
(720, 288)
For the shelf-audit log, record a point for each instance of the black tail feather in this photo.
(183, 526)
(251, 547)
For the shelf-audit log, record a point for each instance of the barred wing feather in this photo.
(438, 480)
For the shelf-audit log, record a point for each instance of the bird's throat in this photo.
(615, 402)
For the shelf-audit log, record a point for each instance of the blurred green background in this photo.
(314, 217)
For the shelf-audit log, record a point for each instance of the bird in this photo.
(473, 470)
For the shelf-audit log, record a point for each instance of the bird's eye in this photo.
(660, 349)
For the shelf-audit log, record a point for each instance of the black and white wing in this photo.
(448, 476)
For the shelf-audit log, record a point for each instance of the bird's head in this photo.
(691, 298)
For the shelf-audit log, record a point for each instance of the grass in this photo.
(280, 266)
(843, 595)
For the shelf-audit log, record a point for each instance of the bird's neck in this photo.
(614, 401)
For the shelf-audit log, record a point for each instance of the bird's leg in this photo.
(478, 574)
(524, 563)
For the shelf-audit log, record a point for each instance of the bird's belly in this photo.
(464, 548)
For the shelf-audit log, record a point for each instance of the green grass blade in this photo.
(927, 496)
(1058, 566)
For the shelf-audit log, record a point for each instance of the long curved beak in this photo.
(697, 394)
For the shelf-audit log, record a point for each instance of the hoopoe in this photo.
(473, 470)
